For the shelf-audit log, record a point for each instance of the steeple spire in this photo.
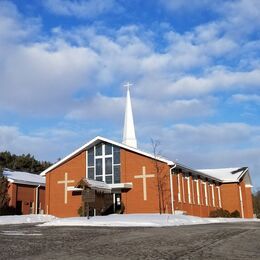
(129, 128)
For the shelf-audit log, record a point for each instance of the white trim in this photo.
(249, 186)
(188, 185)
(179, 187)
(71, 188)
(171, 187)
(219, 197)
(126, 185)
(198, 191)
(206, 193)
(183, 190)
(241, 201)
(213, 195)
(193, 191)
(26, 182)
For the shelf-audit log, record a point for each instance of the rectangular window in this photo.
(99, 150)
(91, 157)
(116, 155)
(108, 162)
(99, 167)
(108, 149)
(117, 174)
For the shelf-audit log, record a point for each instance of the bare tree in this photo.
(161, 177)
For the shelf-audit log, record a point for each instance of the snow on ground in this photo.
(5, 220)
(140, 220)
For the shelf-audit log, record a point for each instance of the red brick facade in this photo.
(191, 194)
(55, 192)
(24, 197)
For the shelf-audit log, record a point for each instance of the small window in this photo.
(99, 150)
(108, 149)
(98, 166)
(91, 173)
(116, 155)
(108, 162)
(117, 174)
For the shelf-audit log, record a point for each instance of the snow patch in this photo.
(140, 220)
(21, 219)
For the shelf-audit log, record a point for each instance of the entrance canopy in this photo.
(99, 186)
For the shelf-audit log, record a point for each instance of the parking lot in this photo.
(213, 241)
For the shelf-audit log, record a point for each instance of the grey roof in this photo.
(24, 177)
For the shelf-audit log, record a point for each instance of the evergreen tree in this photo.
(4, 197)
(22, 163)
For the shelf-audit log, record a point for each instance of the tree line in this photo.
(24, 162)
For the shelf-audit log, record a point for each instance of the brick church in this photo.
(128, 180)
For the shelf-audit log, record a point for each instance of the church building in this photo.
(128, 180)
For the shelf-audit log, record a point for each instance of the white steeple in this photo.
(129, 128)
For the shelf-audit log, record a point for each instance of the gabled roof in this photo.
(226, 174)
(102, 139)
(24, 178)
(220, 175)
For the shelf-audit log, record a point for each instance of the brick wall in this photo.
(55, 193)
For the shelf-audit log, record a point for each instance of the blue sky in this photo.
(195, 67)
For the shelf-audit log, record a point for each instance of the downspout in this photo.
(36, 199)
(171, 187)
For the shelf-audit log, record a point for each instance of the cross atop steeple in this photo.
(129, 128)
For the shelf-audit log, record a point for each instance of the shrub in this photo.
(235, 214)
(8, 211)
(80, 211)
(220, 213)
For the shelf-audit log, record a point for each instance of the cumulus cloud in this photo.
(82, 8)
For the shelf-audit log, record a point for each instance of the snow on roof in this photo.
(226, 174)
(24, 177)
(95, 185)
(102, 139)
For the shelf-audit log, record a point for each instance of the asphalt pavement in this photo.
(212, 241)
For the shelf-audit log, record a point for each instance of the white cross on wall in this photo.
(65, 182)
(144, 176)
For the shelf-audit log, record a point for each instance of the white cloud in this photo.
(82, 8)
(45, 144)
(241, 98)
(215, 81)
(112, 109)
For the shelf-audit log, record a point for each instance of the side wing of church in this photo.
(127, 180)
